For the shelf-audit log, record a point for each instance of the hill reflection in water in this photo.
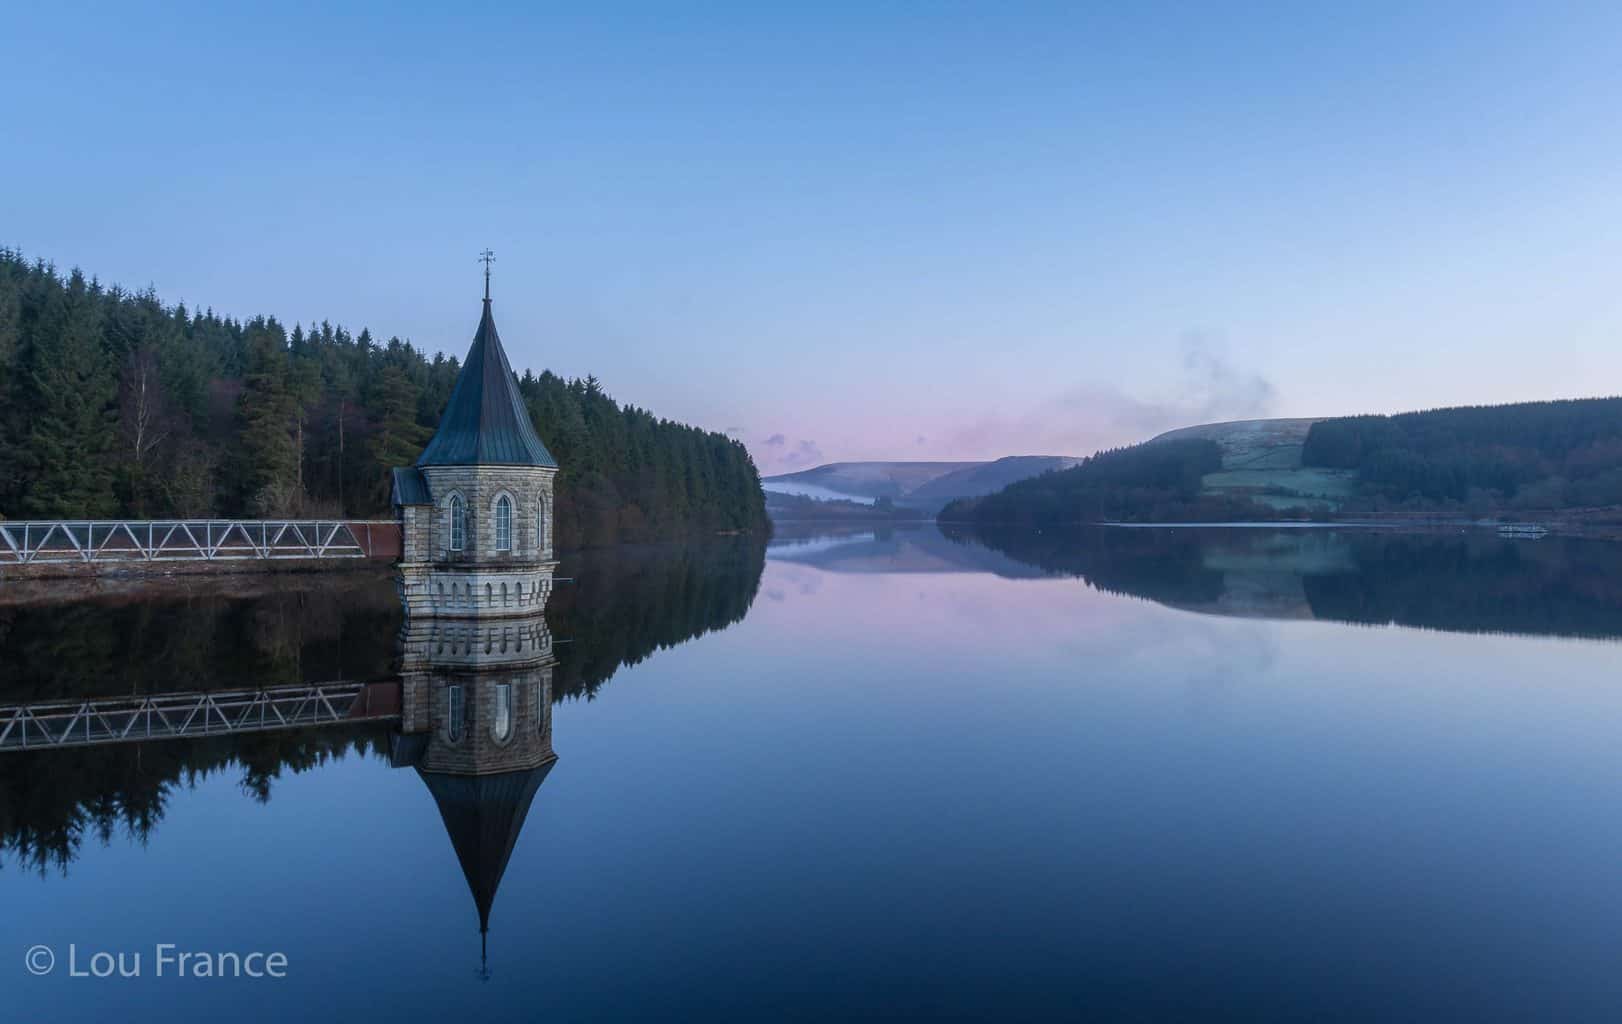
(1472, 581)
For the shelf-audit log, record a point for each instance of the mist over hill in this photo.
(921, 485)
(865, 479)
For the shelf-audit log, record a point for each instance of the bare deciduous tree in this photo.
(144, 418)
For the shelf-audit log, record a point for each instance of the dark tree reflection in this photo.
(624, 605)
(1473, 581)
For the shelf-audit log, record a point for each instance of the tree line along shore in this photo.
(116, 405)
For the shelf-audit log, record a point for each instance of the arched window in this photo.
(456, 713)
(458, 523)
(504, 524)
(540, 526)
(501, 724)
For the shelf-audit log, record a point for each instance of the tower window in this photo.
(456, 713)
(501, 725)
(504, 524)
(458, 523)
(540, 526)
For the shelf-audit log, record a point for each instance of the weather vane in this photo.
(487, 257)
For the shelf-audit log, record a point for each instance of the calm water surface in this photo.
(1129, 774)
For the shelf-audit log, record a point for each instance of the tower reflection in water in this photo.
(114, 710)
(476, 724)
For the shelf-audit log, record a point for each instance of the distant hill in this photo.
(915, 484)
(987, 478)
(866, 479)
(1554, 461)
(1158, 482)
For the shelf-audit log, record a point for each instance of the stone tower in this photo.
(476, 510)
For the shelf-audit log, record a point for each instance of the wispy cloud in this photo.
(1215, 389)
(1090, 415)
(778, 454)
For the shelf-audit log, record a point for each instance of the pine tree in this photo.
(268, 470)
(70, 387)
(397, 439)
(10, 342)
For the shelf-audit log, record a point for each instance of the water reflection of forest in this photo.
(622, 605)
(1473, 581)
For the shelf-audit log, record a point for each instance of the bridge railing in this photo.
(178, 715)
(179, 540)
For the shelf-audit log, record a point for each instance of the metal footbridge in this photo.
(186, 540)
(138, 719)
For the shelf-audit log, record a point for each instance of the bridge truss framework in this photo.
(178, 540)
(181, 715)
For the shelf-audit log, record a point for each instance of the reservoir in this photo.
(1142, 774)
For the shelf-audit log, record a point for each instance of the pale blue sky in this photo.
(878, 230)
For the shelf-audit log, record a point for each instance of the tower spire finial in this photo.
(487, 257)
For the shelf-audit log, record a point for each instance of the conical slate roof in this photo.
(486, 423)
(484, 814)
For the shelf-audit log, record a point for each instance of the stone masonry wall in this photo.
(415, 526)
(530, 488)
(476, 751)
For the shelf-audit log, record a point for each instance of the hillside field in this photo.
(1261, 461)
